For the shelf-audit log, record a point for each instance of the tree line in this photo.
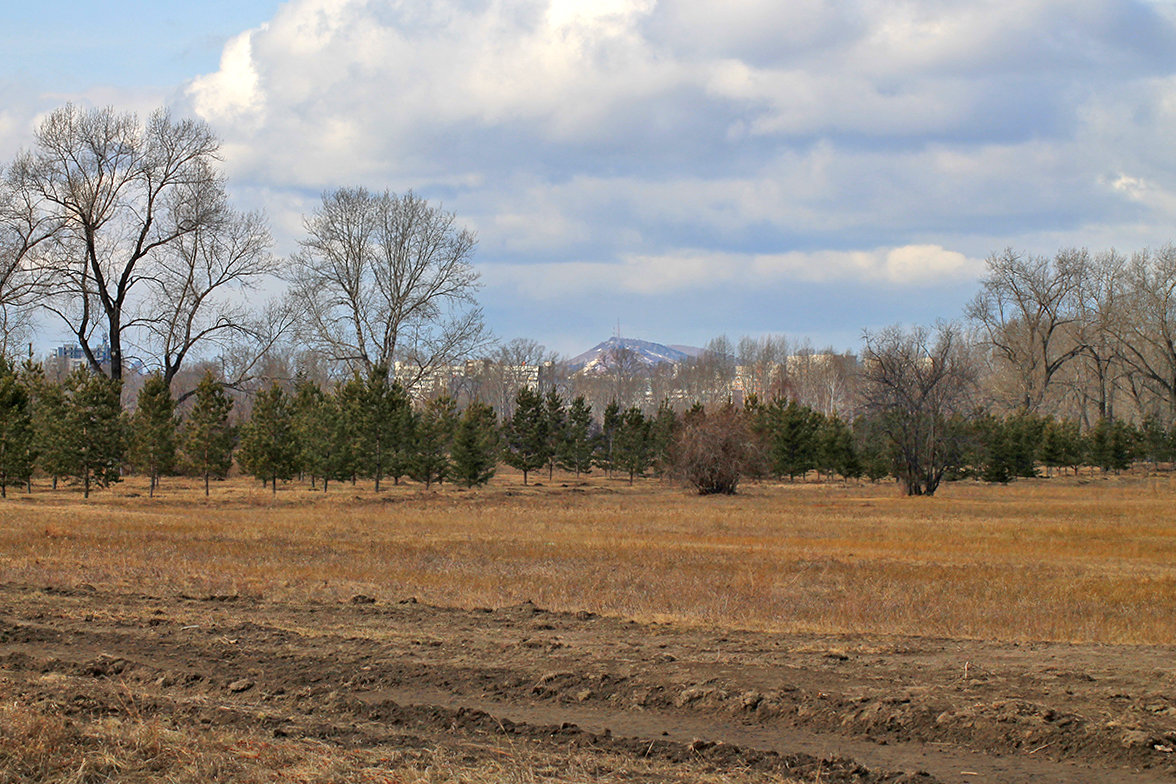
(369, 428)
(121, 231)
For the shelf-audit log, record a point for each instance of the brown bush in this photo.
(711, 452)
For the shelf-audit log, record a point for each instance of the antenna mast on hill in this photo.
(618, 335)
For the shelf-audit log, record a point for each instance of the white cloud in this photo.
(646, 147)
(232, 93)
(690, 270)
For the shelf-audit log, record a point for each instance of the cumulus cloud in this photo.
(683, 145)
(668, 274)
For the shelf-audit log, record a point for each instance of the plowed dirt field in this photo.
(384, 680)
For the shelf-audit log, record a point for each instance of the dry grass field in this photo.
(585, 630)
(1091, 559)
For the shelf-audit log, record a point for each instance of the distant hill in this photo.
(601, 356)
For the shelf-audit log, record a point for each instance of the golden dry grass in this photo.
(1062, 559)
(39, 747)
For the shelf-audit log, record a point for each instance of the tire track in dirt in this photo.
(1042, 713)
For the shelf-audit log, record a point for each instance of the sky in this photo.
(681, 167)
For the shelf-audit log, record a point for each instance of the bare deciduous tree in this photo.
(1147, 330)
(387, 279)
(1100, 313)
(914, 383)
(121, 194)
(23, 228)
(195, 294)
(1026, 307)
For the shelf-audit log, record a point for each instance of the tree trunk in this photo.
(206, 484)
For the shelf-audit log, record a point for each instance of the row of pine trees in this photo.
(367, 427)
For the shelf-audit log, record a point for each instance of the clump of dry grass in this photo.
(1049, 560)
(37, 747)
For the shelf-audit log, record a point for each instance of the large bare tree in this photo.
(23, 229)
(138, 211)
(1147, 330)
(916, 383)
(1026, 309)
(196, 293)
(387, 279)
(1100, 311)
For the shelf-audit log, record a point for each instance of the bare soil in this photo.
(363, 673)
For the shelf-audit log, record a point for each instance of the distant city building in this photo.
(70, 356)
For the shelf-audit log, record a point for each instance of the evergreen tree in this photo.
(632, 447)
(836, 452)
(1111, 445)
(1155, 442)
(16, 429)
(94, 429)
(475, 446)
(350, 418)
(385, 433)
(401, 431)
(757, 419)
(663, 430)
(555, 414)
(873, 454)
(311, 428)
(994, 453)
(153, 431)
(608, 432)
(208, 438)
(1062, 445)
(269, 450)
(1024, 434)
(794, 439)
(50, 448)
(433, 440)
(526, 434)
(579, 445)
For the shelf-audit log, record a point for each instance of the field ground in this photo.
(586, 630)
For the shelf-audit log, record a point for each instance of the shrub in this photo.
(711, 450)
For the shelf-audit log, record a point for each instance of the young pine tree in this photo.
(50, 443)
(580, 442)
(208, 438)
(16, 429)
(268, 448)
(400, 421)
(94, 429)
(556, 420)
(663, 432)
(526, 434)
(433, 440)
(381, 426)
(836, 453)
(310, 428)
(608, 432)
(1061, 445)
(1111, 445)
(794, 439)
(632, 446)
(153, 431)
(475, 446)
